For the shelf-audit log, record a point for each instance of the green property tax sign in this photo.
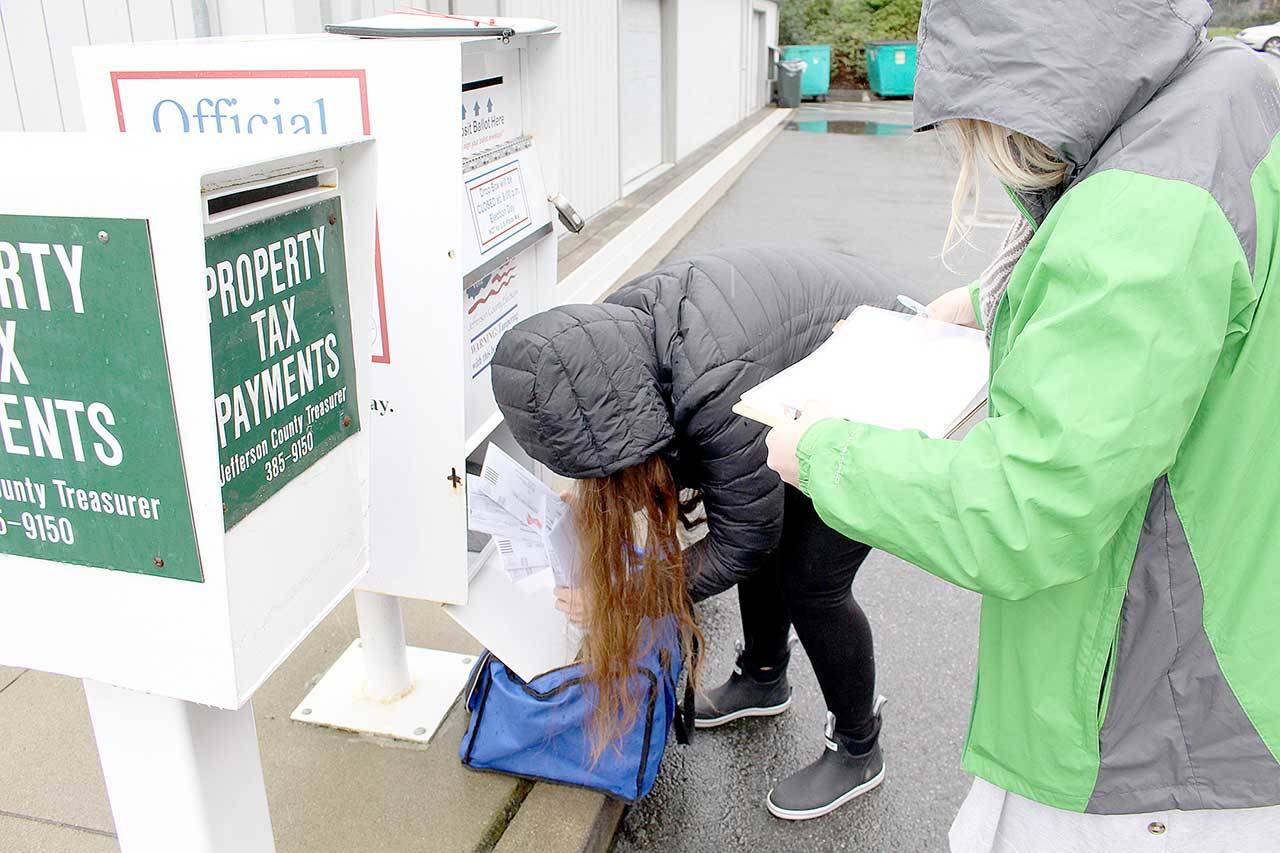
(90, 469)
(283, 363)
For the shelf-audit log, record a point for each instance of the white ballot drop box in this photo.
(466, 116)
(184, 475)
(466, 113)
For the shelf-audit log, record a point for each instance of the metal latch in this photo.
(568, 216)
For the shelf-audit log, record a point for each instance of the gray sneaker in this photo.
(833, 780)
(743, 695)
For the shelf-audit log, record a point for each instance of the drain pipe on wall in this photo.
(200, 18)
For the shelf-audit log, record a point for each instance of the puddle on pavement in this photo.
(850, 128)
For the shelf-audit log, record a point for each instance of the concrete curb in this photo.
(562, 819)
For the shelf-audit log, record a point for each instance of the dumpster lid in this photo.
(891, 43)
(414, 23)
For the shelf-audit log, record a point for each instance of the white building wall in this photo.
(590, 171)
(38, 86)
(708, 70)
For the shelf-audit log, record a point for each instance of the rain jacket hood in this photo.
(1064, 74)
(579, 387)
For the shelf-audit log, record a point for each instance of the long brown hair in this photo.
(633, 570)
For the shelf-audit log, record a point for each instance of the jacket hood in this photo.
(579, 388)
(1066, 74)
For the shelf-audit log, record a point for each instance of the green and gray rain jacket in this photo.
(1119, 511)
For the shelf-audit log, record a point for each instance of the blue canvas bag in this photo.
(540, 729)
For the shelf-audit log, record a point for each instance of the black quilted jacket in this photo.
(591, 389)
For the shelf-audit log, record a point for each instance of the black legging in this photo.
(809, 584)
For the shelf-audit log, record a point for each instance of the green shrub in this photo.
(1235, 15)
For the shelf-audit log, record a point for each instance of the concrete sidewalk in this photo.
(328, 790)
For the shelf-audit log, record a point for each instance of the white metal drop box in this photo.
(184, 475)
(467, 120)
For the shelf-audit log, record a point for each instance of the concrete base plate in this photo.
(340, 700)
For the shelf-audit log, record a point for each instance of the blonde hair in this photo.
(1018, 161)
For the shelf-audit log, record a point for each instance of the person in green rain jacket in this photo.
(1119, 509)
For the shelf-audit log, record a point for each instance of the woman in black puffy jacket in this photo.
(633, 398)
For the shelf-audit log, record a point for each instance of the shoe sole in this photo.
(810, 814)
(713, 722)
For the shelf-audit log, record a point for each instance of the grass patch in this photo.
(1214, 32)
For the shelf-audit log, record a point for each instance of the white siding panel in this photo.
(477, 7)
(185, 25)
(640, 100)
(308, 16)
(108, 22)
(589, 161)
(241, 17)
(279, 17)
(709, 66)
(152, 20)
(65, 23)
(10, 112)
(427, 6)
(33, 75)
(286, 17)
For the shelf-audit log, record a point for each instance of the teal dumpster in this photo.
(891, 68)
(816, 81)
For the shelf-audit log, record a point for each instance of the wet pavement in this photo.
(884, 196)
(857, 127)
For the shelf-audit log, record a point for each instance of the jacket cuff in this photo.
(822, 436)
(975, 296)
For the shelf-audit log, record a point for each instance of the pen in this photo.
(913, 306)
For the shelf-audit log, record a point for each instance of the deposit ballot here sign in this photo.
(283, 364)
(90, 470)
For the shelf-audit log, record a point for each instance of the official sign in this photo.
(248, 104)
(283, 361)
(90, 469)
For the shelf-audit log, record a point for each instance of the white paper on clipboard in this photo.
(883, 368)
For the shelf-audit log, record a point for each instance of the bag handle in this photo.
(684, 716)
(477, 673)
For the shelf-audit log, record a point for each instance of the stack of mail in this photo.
(529, 522)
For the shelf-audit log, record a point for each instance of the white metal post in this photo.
(380, 685)
(180, 776)
(386, 661)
